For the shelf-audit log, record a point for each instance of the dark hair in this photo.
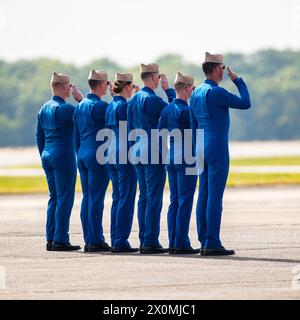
(94, 83)
(118, 86)
(209, 67)
(145, 75)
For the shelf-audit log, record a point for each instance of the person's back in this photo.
(215, 121)
(175, 118)
(89, 118)
(56, 120)
(140, 114)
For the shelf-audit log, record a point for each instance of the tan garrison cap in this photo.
(98, 75)
(59, 78)
(215, 58)
(124, 77)
(152, 67)
(189, 80)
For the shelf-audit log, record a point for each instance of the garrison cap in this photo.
(98, 75)
(214, 58)
(59, 78)
(124, 77)
(186, 79)
(152, 67)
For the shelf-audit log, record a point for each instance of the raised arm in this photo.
(170, 92)
(227, 99)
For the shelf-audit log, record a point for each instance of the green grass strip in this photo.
(257, 179)
(37, 184)
(274, 161)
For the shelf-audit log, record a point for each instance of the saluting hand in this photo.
(135, 90)
(164, 82)
(77, 94)
(111, 89)
(232, 75)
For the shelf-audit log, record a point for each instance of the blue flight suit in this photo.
(210, 111)
(54, 138)
(182, 186)
(123, 177)
(89, 118)
(144, 110)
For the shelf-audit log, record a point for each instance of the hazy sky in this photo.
(131, 31)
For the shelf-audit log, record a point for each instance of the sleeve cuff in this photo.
(171, 94)
(170, 90)
(238, 80)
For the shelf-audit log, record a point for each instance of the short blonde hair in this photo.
(180, 86)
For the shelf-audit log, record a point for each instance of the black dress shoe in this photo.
(153, 249)
(49, 245)
(58, 246)
(124, 250)
(217, 252)
(171, 250)
(188, 250)
(102, 247)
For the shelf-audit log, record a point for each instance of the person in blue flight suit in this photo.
(54, 137)
(210, 112)
(144, 110)
(89, 118)
(122, 175)
(176, 116)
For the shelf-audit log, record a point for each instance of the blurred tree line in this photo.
(273, 78)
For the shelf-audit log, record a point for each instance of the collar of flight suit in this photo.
(180, 101)
(149, 90)
(58, 99)
(211, 82)
(119, 98)
(93, 96)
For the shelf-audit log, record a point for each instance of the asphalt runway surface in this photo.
(261, 224)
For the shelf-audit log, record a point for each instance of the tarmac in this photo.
(261, 224)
